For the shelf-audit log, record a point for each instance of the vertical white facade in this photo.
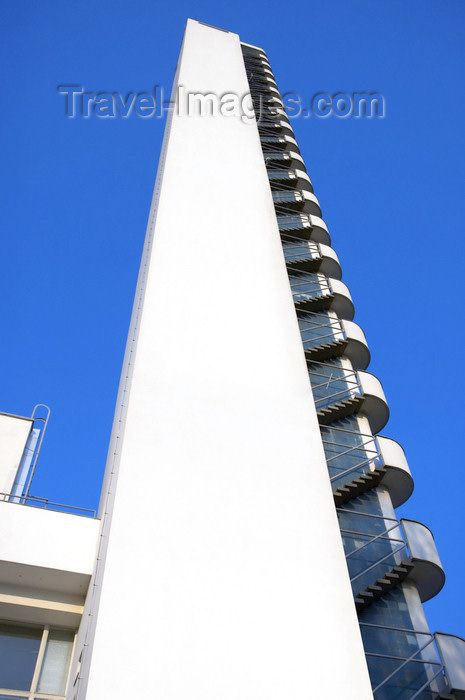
(222, 575)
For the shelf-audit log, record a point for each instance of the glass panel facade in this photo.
(349, 452)
(300, 250)
(19, 649)
(308, 285)
(319, 328)
(366, 542)
(332, 382)
(389, 613)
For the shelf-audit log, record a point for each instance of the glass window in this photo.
(34, 660)
(54, 671)
(19, 649)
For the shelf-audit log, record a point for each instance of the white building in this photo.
(244, 445)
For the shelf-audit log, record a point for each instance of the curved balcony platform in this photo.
(270, 97)
(414, 555)
(287, 159)
(258, 68)
(297, 179)
(312, 292)
(328, 336)
(309, 256)
(342, 302)
(304, 226)
(273, 90)
(320, 232)
(278, 141)
(374, 406)
(268, 71)
(268, 107)
(274, 125)
(330, 264)
(427, 573)
(288, 201)
(397, 478)
(344, 394)
(357, 348)
(452, 654)
(261, 82)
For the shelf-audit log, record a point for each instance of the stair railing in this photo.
(349, 377)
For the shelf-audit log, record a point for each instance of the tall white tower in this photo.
(222, 571)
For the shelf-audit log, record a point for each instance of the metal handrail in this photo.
(294, 217)
(379, 561)
(295, 243)
(353, 469)
(410, 659)
(276, 200)
(350, 389)
(372, 539)
(282, 210)
(402, 665)
(334, 324)
(278, 155)
(289, 173)
(270, 126)
(307, 342)
(353, 390)
(350, 448)
(397, 524)
(276, 138)
(349, 376)
(38, 502)
(442, 669)
(310, 287)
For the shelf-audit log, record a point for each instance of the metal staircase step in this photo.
(305, 264)
(382, 585)
(318, 303)
(326, 351)
(339, 409)
(357, 486)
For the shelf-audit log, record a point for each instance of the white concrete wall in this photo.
(14, 432)
(48, 539)
(225, 576)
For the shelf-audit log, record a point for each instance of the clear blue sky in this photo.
(76, 196)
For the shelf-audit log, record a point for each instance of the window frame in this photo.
(32, 693)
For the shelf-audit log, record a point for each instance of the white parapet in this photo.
(224, 575)
(398, 479)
